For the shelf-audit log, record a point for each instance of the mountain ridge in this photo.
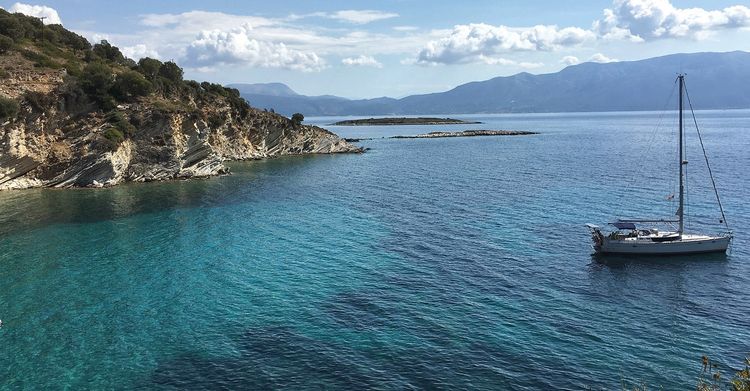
(715, 78)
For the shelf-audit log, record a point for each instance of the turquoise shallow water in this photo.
(443, 263)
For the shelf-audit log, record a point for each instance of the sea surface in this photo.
(421, 264)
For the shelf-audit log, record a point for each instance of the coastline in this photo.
(400, 121)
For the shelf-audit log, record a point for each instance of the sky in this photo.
(368, 49)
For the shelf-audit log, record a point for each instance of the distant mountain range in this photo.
(714, 80)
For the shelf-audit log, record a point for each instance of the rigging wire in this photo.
(710, 173)
(651, 140)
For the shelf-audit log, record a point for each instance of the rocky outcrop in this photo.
(470, 133)
(51, 150)
(50, 147)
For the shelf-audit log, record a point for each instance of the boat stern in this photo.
(597, 238)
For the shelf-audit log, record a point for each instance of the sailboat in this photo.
(638, 236)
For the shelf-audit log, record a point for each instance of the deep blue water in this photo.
(423, 263)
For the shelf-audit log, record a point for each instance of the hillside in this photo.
(73, 114)
(715, 81)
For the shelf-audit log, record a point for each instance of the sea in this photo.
(446, 263)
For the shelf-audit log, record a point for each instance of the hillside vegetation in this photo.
(77, 114)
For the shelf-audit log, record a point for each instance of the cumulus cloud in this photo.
(570, 60)
(139, 51)
(600, 58)
(508, 62)
(40, 11)
(237, 46)
(641, 20)
(363, 61)
(476, 42)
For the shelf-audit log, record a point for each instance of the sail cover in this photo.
(622, 225)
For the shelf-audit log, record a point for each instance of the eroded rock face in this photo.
(56, 149)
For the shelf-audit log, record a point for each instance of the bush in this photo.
(149, 67)
(6, 43)
(113, 134)
(74, 98)
(96, 81)
(130, 85)
(40, 60)
(68, 38)
(106, 51)
(171, 71)
(297, 118)
(8, 108)
(11, 27)
(120, 123)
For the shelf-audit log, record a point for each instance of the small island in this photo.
(470, 133)
(402, 121)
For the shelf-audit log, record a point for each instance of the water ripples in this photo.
(443, 263)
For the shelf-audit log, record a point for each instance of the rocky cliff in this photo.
(72, 116)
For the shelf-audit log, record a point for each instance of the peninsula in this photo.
(470, 133)
(77, 115)
(402, 121)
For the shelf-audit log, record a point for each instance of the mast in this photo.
(681, 210)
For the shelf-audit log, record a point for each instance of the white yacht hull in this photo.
(689, 244)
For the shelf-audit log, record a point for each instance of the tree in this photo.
(149, 67)
(106, 51)
(130, 85)
(171, 71)
(96, 81)
(10, 26)
(297, 118)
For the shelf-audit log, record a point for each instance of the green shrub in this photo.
(106, 51)
(6, 43)
(130, 85)
(8, 108)
(113, 137)
(171, 71)
(149, 67)
(10, 26)
(297, 118)
(120, 123)
(4, 74)
(40, 60)
(68, 38)
(74, 98)
(97, 80)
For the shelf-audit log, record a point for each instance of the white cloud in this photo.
(598, 57)
(39, 11)
(362, 60)
(570, 60)
(361, 16)
(473, 42)
(508, 62)
(139, 51)
(348, 16)
(405, 28)
(238, 46)
(640, 20)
